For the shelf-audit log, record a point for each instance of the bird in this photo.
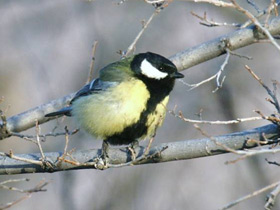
(127, 102)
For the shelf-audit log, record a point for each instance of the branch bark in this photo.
(180, 150)
(182, 60)
(216, 47)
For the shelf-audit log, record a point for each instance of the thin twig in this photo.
(252, 18)
(271, 198)
(147, 150)
(243, 153)
(216, 122)
(62, 158)
(249, 153)
(270, 8)
(138, 160)
(272, 162)
(51, 134)
(38, 188)
(226, 148)
(38, 140)
(256, 22)
(14, 180)
(254, 5)
(91, 69)
(270, 92)
(10, 204)
(132, 46)
(211, 23)
(215, 76)
(231, 204)
(217, 3)
(11, 155)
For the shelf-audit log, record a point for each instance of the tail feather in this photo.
(64, 111)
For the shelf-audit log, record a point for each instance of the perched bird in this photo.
(127, 102)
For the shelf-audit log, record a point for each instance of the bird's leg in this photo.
(105, 151)
(132, 148)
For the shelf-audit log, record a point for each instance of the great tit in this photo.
(127, 102)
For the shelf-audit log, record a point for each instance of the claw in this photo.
(132, 148)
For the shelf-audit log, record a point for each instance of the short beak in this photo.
(177, 75)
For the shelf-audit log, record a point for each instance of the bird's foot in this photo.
(132, 148)
(104, 154)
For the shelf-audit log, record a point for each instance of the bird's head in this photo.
(152, 66)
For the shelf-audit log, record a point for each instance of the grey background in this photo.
(45, 53)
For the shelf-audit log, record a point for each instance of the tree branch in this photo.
(182, 60)
(180, 150)
(216, 47)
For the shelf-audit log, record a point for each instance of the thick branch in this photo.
(217, 47)
(182, 60)
(27, 119)
(175, 151)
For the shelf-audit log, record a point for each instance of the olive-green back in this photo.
(118, 71)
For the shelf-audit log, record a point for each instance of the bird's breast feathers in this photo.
(111, 111)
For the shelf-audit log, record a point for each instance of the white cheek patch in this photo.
(150, 71)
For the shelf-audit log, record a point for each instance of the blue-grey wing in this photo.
(94, 87)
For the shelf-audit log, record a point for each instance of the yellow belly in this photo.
(109, 112)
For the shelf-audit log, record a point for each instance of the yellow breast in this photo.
(109, 112)
(155, 119)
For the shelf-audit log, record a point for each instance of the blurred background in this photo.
(45, 53)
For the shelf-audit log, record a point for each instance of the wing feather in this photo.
(94, 87)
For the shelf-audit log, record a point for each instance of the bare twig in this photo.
(226, 148)
(262, 13)
(211, 23)
(216, 76)
(12, 156)
(254, 5)
(132, 46)
(91, 69)
(272, 162)
(10, 204)
(217, 3)
(14, 180)
(141, 158)
(62, 158)
(38, 130)
(252, 18)
(249, 153)
(270, 92)
(272, 7)
(216, 122)
(256, 22)
(231, 204)
(38, 188)
(43, 136)
(243, 153)
(271, 198)
(147, 150)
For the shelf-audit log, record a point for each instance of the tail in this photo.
(64, 111)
